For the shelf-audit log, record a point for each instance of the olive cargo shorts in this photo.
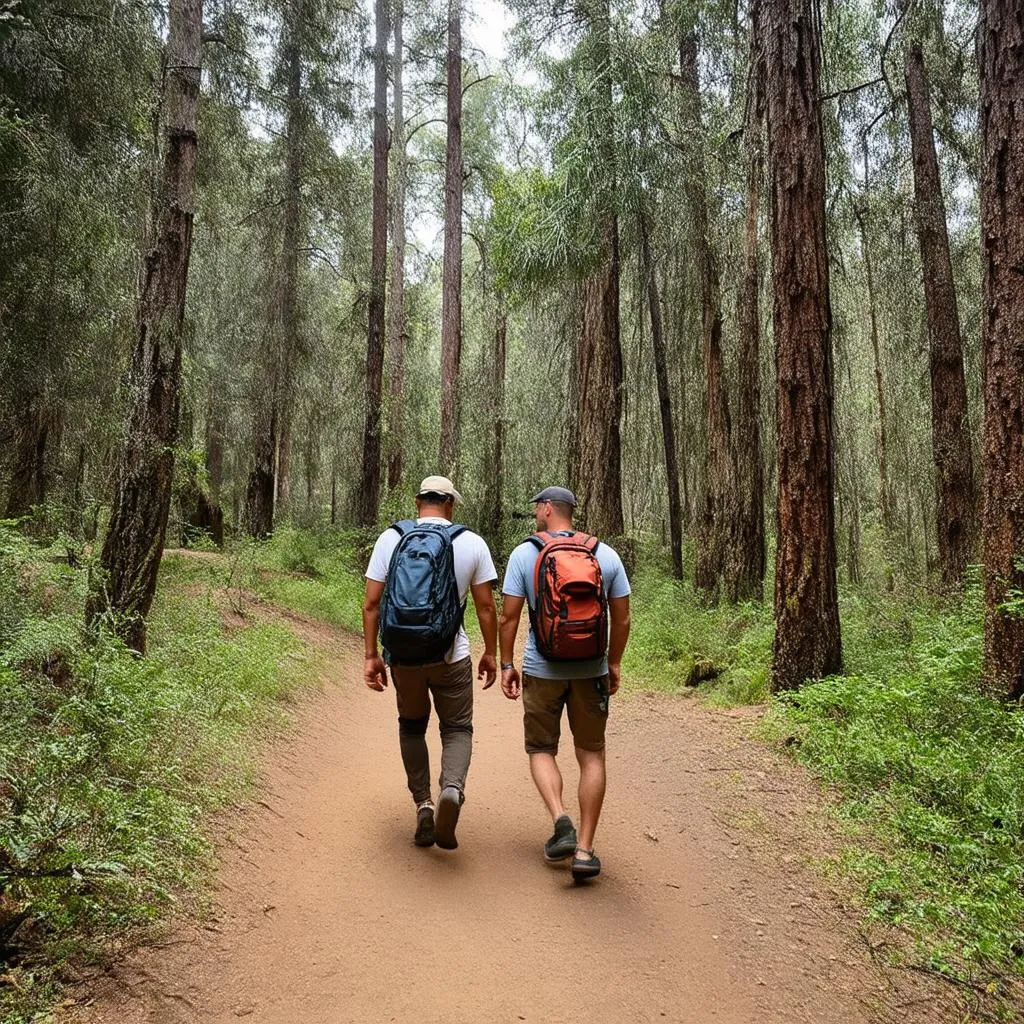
(543, 700)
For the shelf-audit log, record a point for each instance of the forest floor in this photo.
(712, 904)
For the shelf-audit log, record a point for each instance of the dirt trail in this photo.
(324, 911)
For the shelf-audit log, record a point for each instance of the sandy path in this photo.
(324, 911)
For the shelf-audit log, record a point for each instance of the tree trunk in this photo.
(885, 487)
(668, 433)
(951, 442)
(259, 493)
(599, 457)
(745, 569)
(1001, 61)
(369, 491)
(500, 360)
(598, 448)
(396, 319)
(32, 430)
(807, 638)
(142, 492)
(718, 511)
(272, 422)
(451, 294)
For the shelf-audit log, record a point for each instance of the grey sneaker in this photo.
(563, 843)
(449, 803)
(424, 826)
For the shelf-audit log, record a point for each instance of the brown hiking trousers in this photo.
(451, 687)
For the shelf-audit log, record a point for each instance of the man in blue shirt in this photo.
(581, 687)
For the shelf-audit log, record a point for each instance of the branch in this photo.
(423, 124)
(476, 81)
(314, 250)
(855, 88)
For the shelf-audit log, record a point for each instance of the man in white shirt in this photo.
(449, 682)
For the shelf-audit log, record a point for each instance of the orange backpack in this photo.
(570, 621)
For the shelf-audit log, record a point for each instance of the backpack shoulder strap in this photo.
(455, 530)
(538, 540)
(586, 541)
(403, 526)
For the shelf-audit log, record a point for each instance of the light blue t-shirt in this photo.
(519, 583)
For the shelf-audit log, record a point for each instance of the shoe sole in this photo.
(584, 871)
(446, 817)
(425, 837)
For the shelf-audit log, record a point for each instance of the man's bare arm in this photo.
(618, 609)
(487, 616)
(375, 673)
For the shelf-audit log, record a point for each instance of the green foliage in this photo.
(932, 767)
(109, 762)
(674, 636)
(318, 574)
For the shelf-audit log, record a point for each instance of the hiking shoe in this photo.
(424, 826)
(449, 803)
(585, 867)
(563, 843)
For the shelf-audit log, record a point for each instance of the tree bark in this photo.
(500, 361)
(668, 433)
(1001, 63)
(886, 498)
(745, 568)
(718, 512)
(951, 442)
(598, 447)
(451, 293)
(142, 493)
(599, 452)
(369, 491)
(397, 339)
(272, 422)
(807, 637)
(32, 433)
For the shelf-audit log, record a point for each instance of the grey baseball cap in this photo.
(562, 494)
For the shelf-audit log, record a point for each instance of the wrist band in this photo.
(507, 664)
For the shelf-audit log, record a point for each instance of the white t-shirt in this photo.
(473, 565)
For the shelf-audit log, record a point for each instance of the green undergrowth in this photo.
(109, 763)
(930, 773)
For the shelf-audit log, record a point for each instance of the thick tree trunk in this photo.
(597, 447)
(807, 637)
(32, 432)
(951, 442)
(397, 339)
(718, 511)
(142, 493)
(273, 416)
(668, 433)
(1001, 61)
(369, 491)
(599, 455)
(259, 493)
(745, 569)
(451, 288)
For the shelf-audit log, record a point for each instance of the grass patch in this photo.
(932, 768)
(109, 763)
